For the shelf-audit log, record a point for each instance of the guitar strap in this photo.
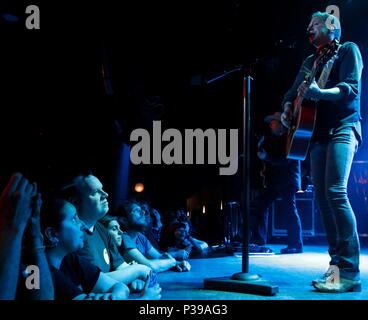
(322, 81)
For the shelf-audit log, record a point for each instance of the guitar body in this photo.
(300, 134)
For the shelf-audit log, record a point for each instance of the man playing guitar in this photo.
(335, 139)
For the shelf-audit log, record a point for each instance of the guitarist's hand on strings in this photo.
(310, 92)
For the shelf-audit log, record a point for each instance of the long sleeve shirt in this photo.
(345, 74)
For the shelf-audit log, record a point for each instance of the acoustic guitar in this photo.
(304, 111)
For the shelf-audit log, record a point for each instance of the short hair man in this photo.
(87, 194)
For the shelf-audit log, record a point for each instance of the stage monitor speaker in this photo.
(307, 212)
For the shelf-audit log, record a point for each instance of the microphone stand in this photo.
(243, 281)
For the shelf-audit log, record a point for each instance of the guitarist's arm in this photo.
(315, 92)
(292, 93)
(349, 77)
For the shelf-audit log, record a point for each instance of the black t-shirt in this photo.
(100, 250)
(75, 276)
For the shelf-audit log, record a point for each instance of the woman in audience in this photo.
(74, 277)
(113, 227)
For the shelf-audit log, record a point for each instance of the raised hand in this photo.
(15, 203)
(33, 230)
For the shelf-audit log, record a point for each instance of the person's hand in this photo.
(151, 293)
(137, 285)
(15, 203)
(183, 266)
(34, 224)
(96, 296)
(287, 115)
(312, 91)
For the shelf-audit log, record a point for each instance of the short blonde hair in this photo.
(333, 22)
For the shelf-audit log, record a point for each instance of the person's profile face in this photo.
(115, 232)
(93, 198)
(70, 233)
(137, 216)
(319, 33)
(180, 233)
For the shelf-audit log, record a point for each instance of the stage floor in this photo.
(291, 273)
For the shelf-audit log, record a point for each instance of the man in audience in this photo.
(136, 246)
(87, 194)
(179, 239)
(153, 224)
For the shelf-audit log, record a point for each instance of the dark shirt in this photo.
(281, 173)
(75, 277)
(345, 74)
(141, 243)
(100, 250)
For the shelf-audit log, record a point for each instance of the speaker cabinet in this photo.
(307, 212)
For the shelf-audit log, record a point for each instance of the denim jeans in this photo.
(260, 225)
(330, 164)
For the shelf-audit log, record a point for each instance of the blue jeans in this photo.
(330, 164)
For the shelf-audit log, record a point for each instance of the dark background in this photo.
(57, 117)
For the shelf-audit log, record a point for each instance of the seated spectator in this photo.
(112, 225)
(20, 219)
(136, 247)
(87, 194)
(153, 224)
(179, 239)
(178, 242)
(75, 277)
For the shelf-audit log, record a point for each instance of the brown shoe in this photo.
(339, 286)
(332, 271)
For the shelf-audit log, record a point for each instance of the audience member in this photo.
(153, 224)
(180, 243)
(19, 209)
(177, 237)
(136, 247)
(112, 226)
